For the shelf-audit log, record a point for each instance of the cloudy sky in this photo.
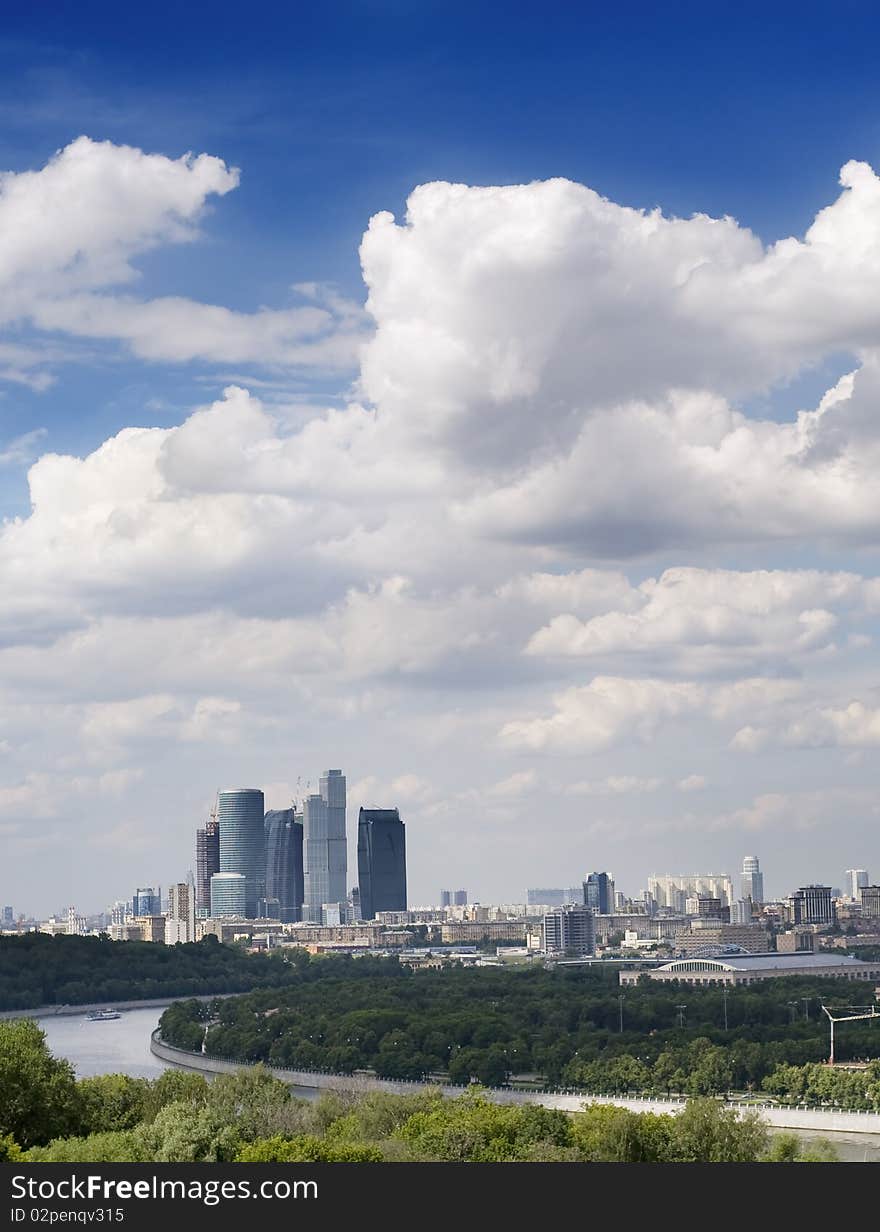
(490, 412)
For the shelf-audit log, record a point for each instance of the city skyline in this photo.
(512, 445)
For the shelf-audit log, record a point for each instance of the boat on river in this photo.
(102, 1015)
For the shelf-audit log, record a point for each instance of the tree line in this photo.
(47, 1116)
(37, 969)
(559, 1028)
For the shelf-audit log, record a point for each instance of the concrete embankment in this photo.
(827, 1120)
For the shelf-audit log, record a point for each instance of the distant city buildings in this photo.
(381, 854)
(207, 862)
(240, 813)
(180, 922)
(812, 904)
(325, 851)
(870, 900)
(598, 893)
(672, 891)
(229, 896)
(569, 930)
(453, 898)
(752, 880)
(284, 863)
(856, 878)
(146, 902)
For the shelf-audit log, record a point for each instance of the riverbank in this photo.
(821, 1120)
(61, 1011)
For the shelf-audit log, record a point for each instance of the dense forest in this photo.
(36, 969)
(47, 1116)
(560, 1028)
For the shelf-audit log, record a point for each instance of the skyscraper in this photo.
(240, 813)
(180, 924)
(460, 898)
(381, 850)
(325, 854)
(284, 863)
(812, 904)
(445, 898)
(599, 893)
(855, 879)
(752, 880)
(207, 862)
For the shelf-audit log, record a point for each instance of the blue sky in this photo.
(422, 548)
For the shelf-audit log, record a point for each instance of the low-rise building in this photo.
(752, 968)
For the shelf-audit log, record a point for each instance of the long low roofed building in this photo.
(750, 968)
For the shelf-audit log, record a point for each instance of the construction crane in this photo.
(866, 1011)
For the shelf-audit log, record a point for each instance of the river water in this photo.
(122, 1046)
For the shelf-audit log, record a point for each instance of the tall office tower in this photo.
(870, 896)
(229, 893)
(752, 883)
(741, 911)
(855, 879)
(570, 929)
(460, 898)
(598, 893)
(284, 863)
(8, 915)
(381, 851)
(207, 862)
(146, 902)
(325, 854)
(445, 898)
(240, 811)
(812, 905)
(180, 923)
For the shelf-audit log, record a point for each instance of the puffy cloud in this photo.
(711, 619)
(72, 231)
(614, 785)
(610, 709)
(854, 725)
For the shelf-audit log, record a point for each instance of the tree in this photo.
(307, 1149)
(707, 1132)
(112, 1102)
(38, 1093)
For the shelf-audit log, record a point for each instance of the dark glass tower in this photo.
(284, 862)
(240, 811)
(599, 893)
(207, 862)
(381, 861)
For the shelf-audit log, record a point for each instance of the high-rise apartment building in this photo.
(598, 893)
(812, 904)
(460, 898)
(207, 862)
(229, 895)
(8, 915)
(870, 899)
(180, 922)
(752, 881)
(855, 879)
(284, 863)
(570, 930)
(445, 898)
(240, 813)
(673, 891)
(381, 852)
(325, 854)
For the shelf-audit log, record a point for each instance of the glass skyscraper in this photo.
(240, 812)
(752, 880)
(229, 895)
(325, 854)
(284, 863)
(599, 893)
(381, 851)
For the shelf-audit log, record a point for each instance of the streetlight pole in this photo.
(681, 1009)
(620, 1008)
(724, 992)
(806, 1001)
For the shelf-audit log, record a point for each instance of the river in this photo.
(122, 1046)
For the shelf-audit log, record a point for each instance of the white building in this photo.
(673, 891)
(855, 879)
(752, 882)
